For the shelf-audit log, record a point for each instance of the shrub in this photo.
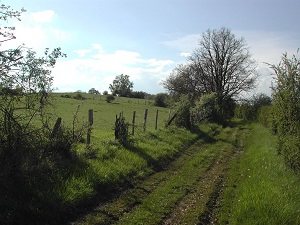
(109, 98)
(121, 130)
(205, 108)
(286, 95)
(265, 116)
(183, 115)
(160, 100)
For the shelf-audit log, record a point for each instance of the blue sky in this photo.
(147, 39)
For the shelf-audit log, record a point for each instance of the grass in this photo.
(57, 190)
(105, 113)
(260, 189)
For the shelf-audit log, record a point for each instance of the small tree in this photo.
(25, 85)
(121, 86)
(121, 130)
(93, 91)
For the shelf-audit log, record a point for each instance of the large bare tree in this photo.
(222, 64)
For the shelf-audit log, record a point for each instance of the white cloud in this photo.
(186, 43)
(185, 54)
(82, 53)
(45, 16)
(99, 68)
(37, 31)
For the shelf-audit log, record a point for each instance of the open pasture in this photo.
(105, 113)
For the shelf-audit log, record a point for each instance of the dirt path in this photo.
(194, 201)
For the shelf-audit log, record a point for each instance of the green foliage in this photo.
(109, 98)
(286, 94)
(121, 86)
(79, 96)
(249, 109)
(265, 116)
(183, 115)
(94, 91)
(138, 94)
(160, 99)
(205, 108)
(121, 130)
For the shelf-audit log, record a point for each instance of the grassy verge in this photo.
(260, 189)
(55, 193)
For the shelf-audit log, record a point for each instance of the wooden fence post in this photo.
(133, 122)
(156, 119)
(173, 117)
(169, 115)
(145, 119)
(91, 121)
(55, 128)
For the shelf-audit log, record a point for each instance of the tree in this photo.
(121, 86)
(286, 96)
(221, 64)
(93, 91)
(25, 84)
(160, 99)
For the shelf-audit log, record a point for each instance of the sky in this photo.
(148, 39)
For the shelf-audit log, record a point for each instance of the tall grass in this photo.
(260, 189)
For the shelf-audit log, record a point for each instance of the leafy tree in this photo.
(286, 96)
(105, 92)
(121, 86)
(160, 99)
(93, 91)
(25, 84)
(221, 64)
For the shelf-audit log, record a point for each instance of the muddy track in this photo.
(198, 203)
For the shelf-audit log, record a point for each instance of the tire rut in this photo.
(110, 212)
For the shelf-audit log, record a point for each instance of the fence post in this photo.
(55, 128)
(156, 119)
(91, 121)
(169, 115)
(170, 121)
(145, 119)
(133, 122)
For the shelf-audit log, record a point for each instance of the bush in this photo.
(121, 130)
(79, 96)
(205, 108)
(290, 147)
(160, 100)
(183, 115)
(109, 98)
(286, 94)
(265, 116)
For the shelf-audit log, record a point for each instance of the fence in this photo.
(133, 124)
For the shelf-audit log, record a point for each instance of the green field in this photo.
(105, 113)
